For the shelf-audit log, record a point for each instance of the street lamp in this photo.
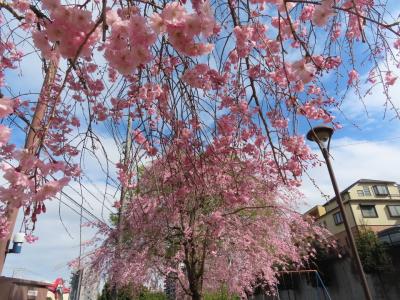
(322, 136)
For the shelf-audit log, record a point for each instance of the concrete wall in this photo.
(342, 283)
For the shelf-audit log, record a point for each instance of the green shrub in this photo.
(373, 254)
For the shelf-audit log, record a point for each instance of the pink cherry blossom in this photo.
(5, 133)
(208, 96)
(304, 71)
(390, 79)
(51, 5)
(307, 13)
(353, 77)
(50, 189)
(29, 238)
(201, 76)
(323, 13)
(6, 107)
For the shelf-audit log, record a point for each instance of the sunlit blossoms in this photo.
(129, 43)
(197, 205)
(6, 107)
(72, 29)
(195, 113)
(182, 27)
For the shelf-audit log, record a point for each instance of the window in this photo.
(381, 190)
(364, 192)
(390, 236)
(337, 217)
(394, 210)
(385, 239)
(368, 211)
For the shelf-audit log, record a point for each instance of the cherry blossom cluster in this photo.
(201, 76)
(182, 27)
(213, 94)
(68, 27)
(10, 56)
(31, 182)
(173, 203)
(128, 45)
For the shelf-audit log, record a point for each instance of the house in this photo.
(22, 289)
(374, 204)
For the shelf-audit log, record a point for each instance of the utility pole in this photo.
(31, 144)
(126, 154)
(322, 136)
(352, 242)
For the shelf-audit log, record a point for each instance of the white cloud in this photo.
(352, 160)
(47, 258)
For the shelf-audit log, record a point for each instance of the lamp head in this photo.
(321, 135)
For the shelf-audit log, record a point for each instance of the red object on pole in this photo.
(57, 288)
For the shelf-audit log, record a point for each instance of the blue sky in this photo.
(368, 149)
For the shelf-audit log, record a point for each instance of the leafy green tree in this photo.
(128, 293)
(373, 254)
(222, 294)
(125, 293)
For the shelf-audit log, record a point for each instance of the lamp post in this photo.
(322, 136)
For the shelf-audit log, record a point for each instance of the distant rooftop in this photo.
(373, 181)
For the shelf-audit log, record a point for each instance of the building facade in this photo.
(373, 204)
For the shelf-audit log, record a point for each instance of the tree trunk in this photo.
(195, 286)
(196, 295)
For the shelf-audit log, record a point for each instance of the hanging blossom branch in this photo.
(213, 93)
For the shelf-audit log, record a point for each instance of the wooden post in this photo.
(31, 144)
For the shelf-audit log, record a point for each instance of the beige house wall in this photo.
(330, 206)
(352, 201)
(393, 192)
(383, 219)
(329, 223)
(354, 214)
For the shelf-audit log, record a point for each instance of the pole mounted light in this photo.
(322, 136)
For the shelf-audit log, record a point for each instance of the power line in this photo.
(94, 196)
(73, 209)
(82, 207)
(98, 189)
